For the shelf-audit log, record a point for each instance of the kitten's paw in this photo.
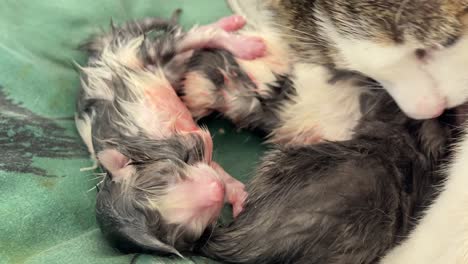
(236, 196)
(235, 190)
(220, 35)
(231, 23)
(199, 94)
(246, 47)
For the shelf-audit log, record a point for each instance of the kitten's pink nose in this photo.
(430, 108)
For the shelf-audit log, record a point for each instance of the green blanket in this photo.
(47, 204)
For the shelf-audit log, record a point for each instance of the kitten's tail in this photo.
(238, 243)
(228, 247)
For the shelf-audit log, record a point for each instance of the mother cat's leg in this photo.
(441, 237)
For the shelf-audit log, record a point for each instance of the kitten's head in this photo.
(158, 196)
(417, 49)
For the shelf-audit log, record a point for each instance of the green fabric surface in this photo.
(47, 204)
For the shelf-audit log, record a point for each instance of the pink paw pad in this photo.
(236, 196)
(231, 23)
(238, 207)
(235, 190)
(246, 47)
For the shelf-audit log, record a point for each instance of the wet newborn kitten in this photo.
(333, 202)
(418, 51)
(338, 202)
(162, 190)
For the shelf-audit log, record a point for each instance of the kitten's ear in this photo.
(147, 242)
(126, 226)
(115, 162)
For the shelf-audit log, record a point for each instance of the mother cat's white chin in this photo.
(441, 237)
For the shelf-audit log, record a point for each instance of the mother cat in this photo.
(418, 51)
(415, 48)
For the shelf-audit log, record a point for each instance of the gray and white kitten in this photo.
(161, 189)
(332, 202)
(338, 202)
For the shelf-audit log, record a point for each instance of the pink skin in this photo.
(235, 190)
(199, 199)
(116, 163)
(165, 100)
(219, 35)
(231, 23)
(207, 190)
(435, 110)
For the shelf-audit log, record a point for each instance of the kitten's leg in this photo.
(248, 92)
(441, 237)
(235, 190)
(218, 35)
(218, 83)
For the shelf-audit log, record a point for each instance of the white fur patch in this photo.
(200, 94)
(96, 86)
(449, 69)
(321, 111)
(111, 61)
(136, 112)
(124, 54)
(83, 125)
(422, 88)
(140, 112)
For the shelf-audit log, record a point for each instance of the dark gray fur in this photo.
(338, 202)
(125, 220)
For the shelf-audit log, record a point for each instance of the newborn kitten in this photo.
(338, 202)
(162, 190)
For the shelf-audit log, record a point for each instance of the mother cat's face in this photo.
(417, 49)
